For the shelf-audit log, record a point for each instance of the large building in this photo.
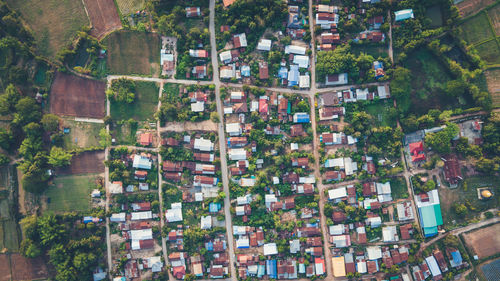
(429, 211)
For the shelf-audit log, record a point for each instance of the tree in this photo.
(214, 116)
(27, 111)
(6, 139)
(460, 209)
(337, 61)
(104, 138)
(8, 100)
(441, 141)
(451, 241)
(29, 249)
(455, 88)
(122, 90)
(4, 160)
(50, 122)
(59, 158)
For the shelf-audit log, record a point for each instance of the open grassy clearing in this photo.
(476, 29)
(434, 13)
(489, 51)
(144, 106)
(125, 133)
(494, 15)
(81, 134)
(54, 22)
(399, 189)
(493, 80)
(70, 193)
(128, 7)
(373, 50)
(9, 235)
(466, 194)
(131, 52)
(380, 112)
(429, 78)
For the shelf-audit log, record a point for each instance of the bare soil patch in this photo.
(494, 14)
(469, 7)
(28, 269)
(484, 242)
(89, 162)
(103, 16)
(5, 268)
(493, 81)
(75, 96)
(207, 125)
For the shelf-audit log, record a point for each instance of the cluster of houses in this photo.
(136, 220)
(435, 265)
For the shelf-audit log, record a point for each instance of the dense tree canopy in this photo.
(122, 90)
(441, 141)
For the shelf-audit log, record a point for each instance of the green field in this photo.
(476, 29)
(399, 189)
(144, 106)
(434, 13)
(127, 7)
(131, 52)
(370, 49)
(489, 51)
(82, 134)
(54, 22)
(70, 193)
(9, 235)
(466, 194)
(125, 133)
(380, 112)
(494, 15)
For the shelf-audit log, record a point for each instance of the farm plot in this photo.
(489, 52)
(144, 106)
(128, 7)
(28, 269)
(131, 52)
(484, 242)
(103, 17)
(81, 134)
(5, 268)
(75, 96)
(54, 22)
(468, 7)
(494, 15)
(493, 80)
(70, 193)
(476, 29)
(84, 163)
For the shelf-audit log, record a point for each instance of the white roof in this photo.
(383, 188)
(175, 213)
(374, 221)
(276, 180)
(243, 242)
(390, 234)
(307, 179)
(302, 61)
(141, 234)
(198, 106)
(318, 267)
(154, 263)
(115, 188)
(203, 144)
(120, 217)
(142, 215)
(247, 181)
(239, 230)
(294, 146)
(270, 198)
(382, 93)
(361, 267)
(304, 81)
(225, 56)
(350, 166)
(206, 222)
(228, 110)
(362, 94)
(373, 252)
(336, 229)
(270, 249)
(337, 162)
(433, 199)
(243, 39)
(264, 45)
(226, 73)
(293, 49)
(141, 162)
(337, 193)
(243, 200)
(294, 246)
(232, 128)
(433, 266)
(198, 196)
(237, 154)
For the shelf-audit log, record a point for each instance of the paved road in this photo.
(108, 196)
(222, 144)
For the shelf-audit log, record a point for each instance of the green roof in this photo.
(439, 217)
(431, 216)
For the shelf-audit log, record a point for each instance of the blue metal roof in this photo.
(271, 269)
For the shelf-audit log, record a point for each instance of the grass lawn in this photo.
(373, 50)
(399, 189)
(125, 133)
(130, 6)
(170, 92)
(81, 134)
(132, 52)
(434, 13)
(144, 106)
(54, 22)
(489, 51)
(191, 219)
(429, 78)
(380, 112)
(466, 194)
(493, 81)
(476, 29)
(70, 193)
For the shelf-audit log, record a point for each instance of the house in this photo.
(405, 211)
(263, 70)
(198, 53)
(304, 81)
(245, 70)
(237, 154)
(440, 260)
(434, 268)
(296, 130)
(338, 266)
(384, 192)
(373, 252)
(455, 257)
(233, 129)
(206, 222)
(270, 249)
(225, 57)
(167, 61)
(294, 49)
(293, 76)
(339, 217)
(146, 139)
(198, 106)
(174, 214)
(390, 234)
(452, 171)
(116, 187)
(417, 151)
(302, 162)
(376, 22)
(192, 12)
(239, 40)
(379, 69)
(142, 162)
(330, 113)
(327, 20)
(405, 231)
(264, 45)
(340, 241)
(227, 3)
(383, 92)
(118, 217)
(328, 99)
(429, 210)
(301, 61)
(301, 117)
(204, 157)
(330, 38)
(403, 15)
(203, 145)
(319, 266)
(204, 181)
(293, 17)
(337, 194)
(199, 71)
(361, 234)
